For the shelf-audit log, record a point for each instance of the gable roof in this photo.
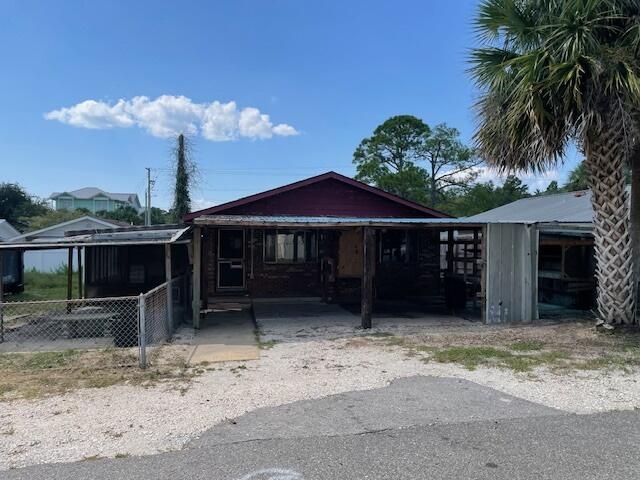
(69, 226)
(87, 193)
(7, 230)
(571, 207)
(360, 186)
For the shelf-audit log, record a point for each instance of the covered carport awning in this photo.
(112, 237)
(166, 235)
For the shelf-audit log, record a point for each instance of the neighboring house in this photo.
(49, 260)
(94, 200)
(12, 271)
(566, 263)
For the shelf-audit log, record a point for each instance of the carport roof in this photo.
(155, 235)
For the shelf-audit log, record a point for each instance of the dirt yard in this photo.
(565, 366)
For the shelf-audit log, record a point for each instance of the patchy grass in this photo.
(263, 344)
(527, 345)
(34, 375)
(561, 348)
(45, 286)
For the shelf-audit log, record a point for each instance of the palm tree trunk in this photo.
(605, 158)
(635, 214)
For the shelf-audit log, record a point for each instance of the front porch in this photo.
(418, 265)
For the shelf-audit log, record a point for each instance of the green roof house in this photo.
(94, 200)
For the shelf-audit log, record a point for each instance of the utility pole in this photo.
(147, 213)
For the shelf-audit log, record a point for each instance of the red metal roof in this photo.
(237, 206)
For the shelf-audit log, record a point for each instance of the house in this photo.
(94, 200)
(566, 263)
(47, 260)
(338, 239)
(327, 237)
(11, 268)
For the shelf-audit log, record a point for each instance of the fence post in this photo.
(142, 332)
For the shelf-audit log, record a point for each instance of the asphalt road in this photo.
(419, 427)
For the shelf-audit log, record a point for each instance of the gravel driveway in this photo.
(129, 420)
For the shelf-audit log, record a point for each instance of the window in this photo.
(288, 246)
(64, 203)
(101, 205)
(393, 246)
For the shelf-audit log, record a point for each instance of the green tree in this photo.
(160, 216)
(16, 205)
(481, 197)
(181, 197)
(388, 159)
(126, 214)
(52, 217)
(553, 71)
(406, 157)
(577, 179)
(449, 163)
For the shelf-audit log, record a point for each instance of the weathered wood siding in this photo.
(327, 198)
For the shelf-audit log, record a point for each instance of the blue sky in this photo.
(326, 73)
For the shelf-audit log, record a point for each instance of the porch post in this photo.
(197, 268)
(70, 273)
(368, 259)
(168, 274)
(80, 272)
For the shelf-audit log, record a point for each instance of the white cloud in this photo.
(169, 115)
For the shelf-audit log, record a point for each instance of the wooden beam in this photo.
(70, 273)
(168, 276)
(368, 265)
(197, 270)
(80, 282)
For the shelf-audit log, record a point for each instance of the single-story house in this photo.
(566, 262)
(47, 260)
(341, 240)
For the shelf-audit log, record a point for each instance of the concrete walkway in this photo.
(225, 335)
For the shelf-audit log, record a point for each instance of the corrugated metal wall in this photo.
(511, 273)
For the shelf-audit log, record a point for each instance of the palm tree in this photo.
(556, 71)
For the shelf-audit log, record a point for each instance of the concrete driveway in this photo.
(296, 320)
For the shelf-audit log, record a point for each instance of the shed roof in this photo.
(68, 225)
(7, 230)
(571, 207)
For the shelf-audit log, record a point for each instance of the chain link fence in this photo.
(125, 326)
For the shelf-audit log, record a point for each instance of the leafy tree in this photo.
(16, 205)
(160, 216)
(449, 162)
(481, 197)
(184, 168)
(388, 159)
(406, 157)
(52, 217)
(555, 71)
(126, 214)
(577, 179)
